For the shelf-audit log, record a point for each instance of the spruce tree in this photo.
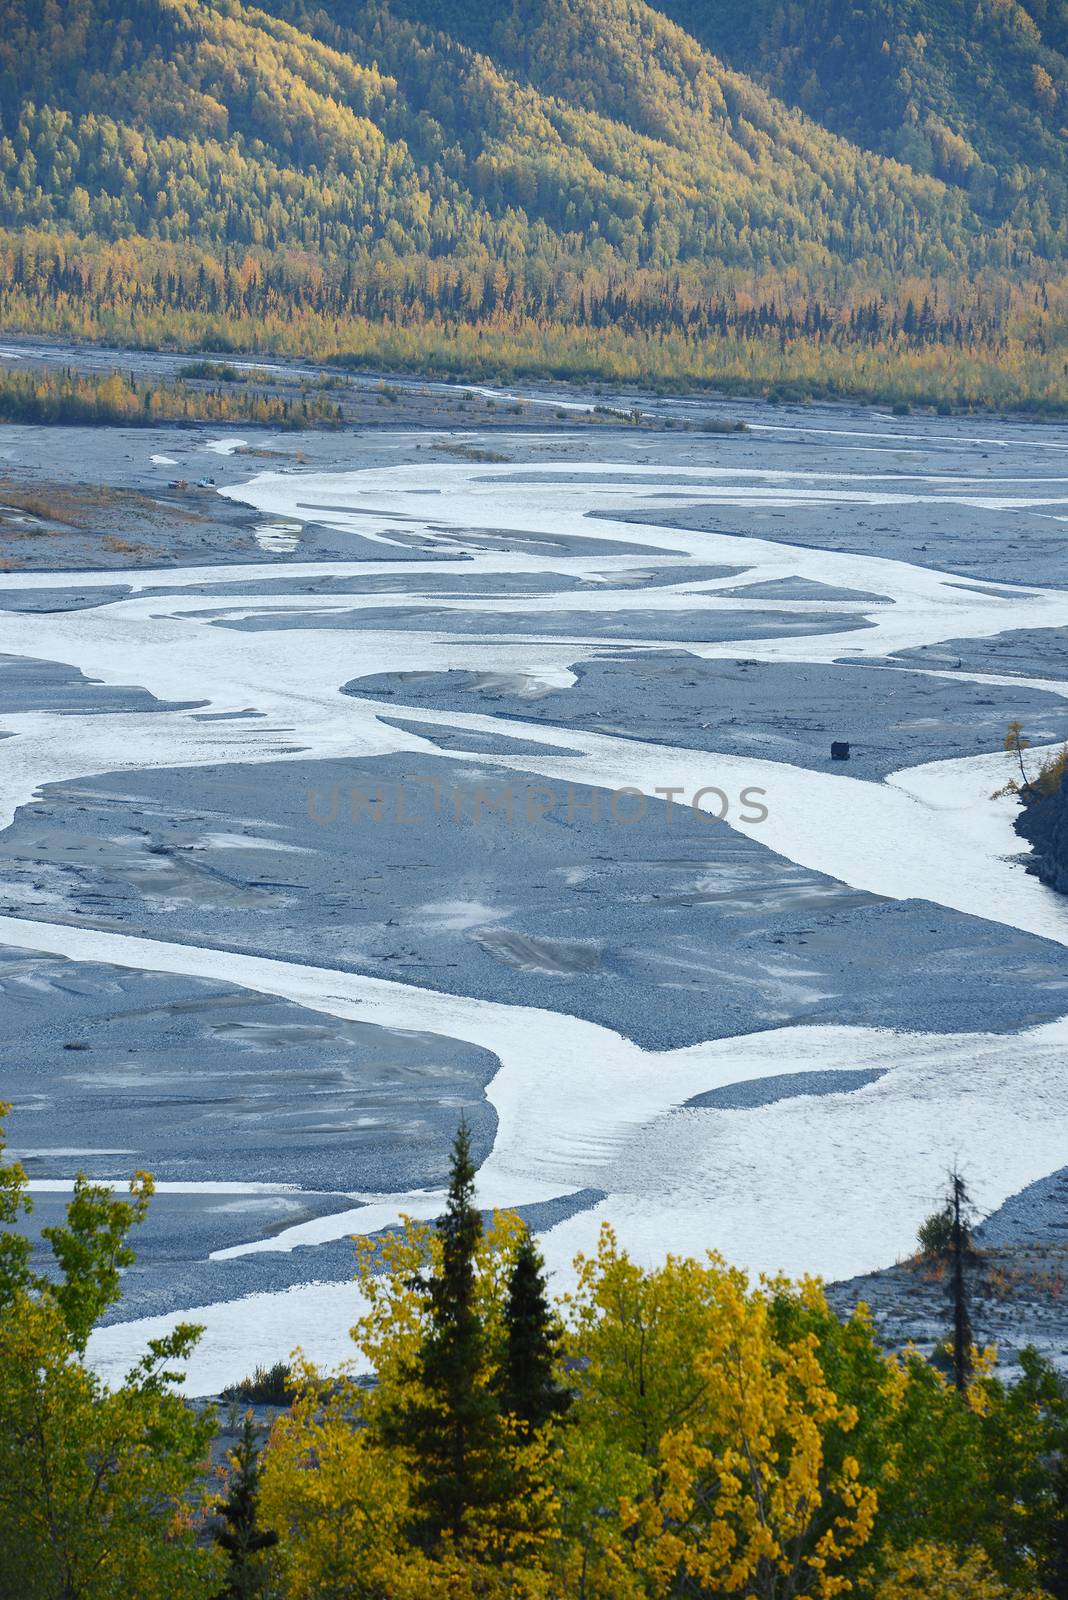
(451, 1428)
(529, 1390)
(240, 1535)
(960, 1245)
(1055, 1573)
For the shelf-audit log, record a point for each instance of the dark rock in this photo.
(1043, 822)
(839, 750)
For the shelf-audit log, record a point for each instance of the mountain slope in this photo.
(974, 91)
(208, 169)
(602, 123)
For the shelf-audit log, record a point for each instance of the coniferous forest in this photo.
(780, 198)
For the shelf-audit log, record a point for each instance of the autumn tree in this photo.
(338, 1501)
(1015, 744)
(359, 1479)
(929, 1571)
(706, 1424)
(598, 196)
(725, 1438)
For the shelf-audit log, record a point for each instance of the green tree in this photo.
(95, 1481)
(530, 1389)
(959, 1255)
(15, 1248)
(1055, 1564)
(241, 1537)
(449, 1423)
(1024, 1427)
(935, 1233)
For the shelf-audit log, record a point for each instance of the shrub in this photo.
(935, 1235)
(217, 371)
(1051, 772)
(268, 1386)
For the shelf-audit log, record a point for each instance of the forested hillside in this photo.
(974, 91)
(558, 185)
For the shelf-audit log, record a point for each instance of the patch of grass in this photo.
(122, 547)
(32, 505)
(722, 425)
(80, 505)
(468, 452)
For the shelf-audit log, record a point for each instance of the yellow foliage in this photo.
(928, 1571)
(603, 198)
(706, 1431)
(341, 1503)
(1051, 772)
(342, 1500)
(94, 1481)
(337, 1503)
(388, 1333)
(1045, 90)
(714, 1445)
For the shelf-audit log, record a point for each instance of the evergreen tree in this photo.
(529, 1390)
(1055, 1576)
(960, 1245)
(450, 1426)
(241, 1536)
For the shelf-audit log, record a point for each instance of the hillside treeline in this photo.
(972, 91)
(360, 178)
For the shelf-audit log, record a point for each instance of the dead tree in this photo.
(959, 1252)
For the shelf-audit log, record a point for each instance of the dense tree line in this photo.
(246, 285)
(675, 1432)
(68, 397)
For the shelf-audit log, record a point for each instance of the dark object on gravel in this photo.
(839, 750)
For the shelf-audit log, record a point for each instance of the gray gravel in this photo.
(777, 711)
(28, 685)
(784, 1086)
(669, 932)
